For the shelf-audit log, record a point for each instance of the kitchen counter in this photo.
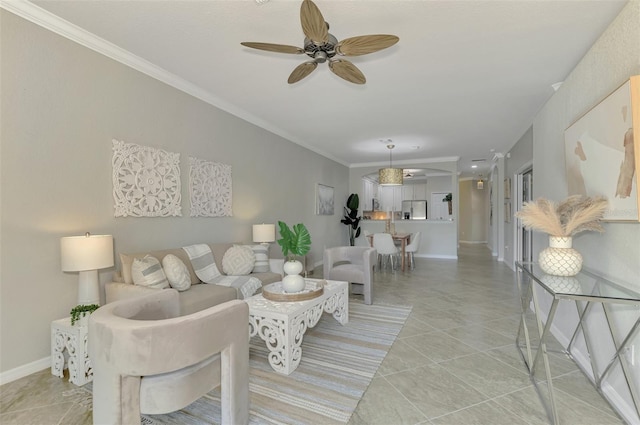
(438, 237)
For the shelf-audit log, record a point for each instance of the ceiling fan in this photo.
(321, 46)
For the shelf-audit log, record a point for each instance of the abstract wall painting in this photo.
(210, 188)
(602, 152)
(146, 181)
(324, 200)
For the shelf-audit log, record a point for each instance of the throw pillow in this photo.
(262, 258)
(177, 272)
(238, 260)
(147, 271)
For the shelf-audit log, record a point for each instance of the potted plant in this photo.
(79, 312)
(561, 221)
(351, 218)
(448, 200)
(294, 242)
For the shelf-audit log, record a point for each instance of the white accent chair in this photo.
(147, 359)
(353, 264)
(413, 247)
(383, 243)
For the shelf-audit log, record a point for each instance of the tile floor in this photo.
(454, 363)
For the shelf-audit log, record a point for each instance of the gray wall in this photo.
(62, 104)
(474, 218)
(608, 64)
(616, 253)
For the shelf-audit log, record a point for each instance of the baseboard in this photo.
(444, 257)
(24, 370)
(473, 242)
(582, 360)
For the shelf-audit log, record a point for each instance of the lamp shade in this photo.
(480, 184)
(89, 252)
(264, 232)
(390, 177)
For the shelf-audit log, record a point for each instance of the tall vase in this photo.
(560, 259)
(293, 282)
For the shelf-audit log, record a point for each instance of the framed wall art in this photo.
(324, 200)
(507, 188)
(146, 181)
(602, 152)
(507, 212)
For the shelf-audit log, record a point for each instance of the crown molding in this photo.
(420, 161)
(45, 19)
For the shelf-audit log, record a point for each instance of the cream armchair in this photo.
(352, 264)
(147, 359)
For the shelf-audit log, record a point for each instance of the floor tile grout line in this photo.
(408, 401)
(615, 416)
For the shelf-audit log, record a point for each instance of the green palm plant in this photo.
(294, 242)
(351, 218)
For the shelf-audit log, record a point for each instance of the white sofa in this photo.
(200, 295)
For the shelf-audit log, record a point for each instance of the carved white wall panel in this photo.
(210, 188)
(146, 181)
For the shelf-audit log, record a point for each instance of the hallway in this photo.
(455, 361)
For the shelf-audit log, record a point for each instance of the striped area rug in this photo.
(338, 363)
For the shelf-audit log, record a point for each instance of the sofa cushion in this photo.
(147, 271)
(127, 261)
(262, 258)
(200, 297)
(177, 272)
(238, 260)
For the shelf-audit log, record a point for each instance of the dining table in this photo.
(403, 238)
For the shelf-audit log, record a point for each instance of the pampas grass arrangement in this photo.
(573, 215)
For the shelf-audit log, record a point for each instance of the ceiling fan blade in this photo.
(313, 24)
(302, 71)
(278, 48)
(363, 44)
(348, 71)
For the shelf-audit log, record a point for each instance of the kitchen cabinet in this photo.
(369, 191)
(414, 192)
(390, 198)
(420, 192)
(407, 192)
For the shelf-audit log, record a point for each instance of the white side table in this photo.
(74, 340)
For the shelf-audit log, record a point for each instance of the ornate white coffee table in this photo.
(282, 325)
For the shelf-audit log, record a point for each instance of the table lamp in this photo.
(86, 254)
(264, 233)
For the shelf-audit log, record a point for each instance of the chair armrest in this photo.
(276, 265)
(116, 291)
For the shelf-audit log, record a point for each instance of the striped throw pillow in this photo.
(148, 271)
(262, 258)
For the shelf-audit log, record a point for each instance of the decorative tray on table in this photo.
(275, 292)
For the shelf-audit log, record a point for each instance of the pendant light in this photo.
(390, 176)
(480, 184)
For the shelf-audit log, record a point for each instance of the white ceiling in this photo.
(466, 78)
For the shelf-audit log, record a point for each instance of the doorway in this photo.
(523, 237)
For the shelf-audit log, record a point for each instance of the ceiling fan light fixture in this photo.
(390, 176)
(321, 46)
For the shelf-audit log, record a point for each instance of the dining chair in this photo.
(412, 248)
(383, 243)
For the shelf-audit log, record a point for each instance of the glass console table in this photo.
(586, 290)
